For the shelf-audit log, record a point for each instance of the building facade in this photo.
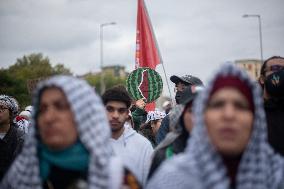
(252, 66)
(115, 70)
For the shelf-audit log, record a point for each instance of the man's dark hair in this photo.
(263, 66)
(117, 93)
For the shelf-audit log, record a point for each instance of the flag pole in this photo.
(162, 62)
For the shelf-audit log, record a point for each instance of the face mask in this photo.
(274, 84)
(178, 96)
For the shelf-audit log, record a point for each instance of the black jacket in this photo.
(10, 146)
(274, 109)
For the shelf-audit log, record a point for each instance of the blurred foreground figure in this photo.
(228, 146)
(272, 82)
(68, 143)
(11, 138)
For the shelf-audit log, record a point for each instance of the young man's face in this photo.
(117, 113)
(4, 114)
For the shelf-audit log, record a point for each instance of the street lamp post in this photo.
(260, 31)
(102, 53)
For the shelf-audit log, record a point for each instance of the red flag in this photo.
(147, 52)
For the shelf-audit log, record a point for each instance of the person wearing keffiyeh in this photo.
(228, 145)
(180, 128)
(150, 128)
(68, 143)
(11, 138)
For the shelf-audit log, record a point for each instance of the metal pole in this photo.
(167, 83)
(102, 83)
(260, 32)
(260, 38)
(102, 61)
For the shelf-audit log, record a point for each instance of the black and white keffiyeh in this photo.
(11, 103)
(202, 167)
(155, 115)
(93, 131)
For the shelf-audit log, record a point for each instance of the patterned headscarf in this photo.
(155, 115)
(259, 168)
(11, 103)
(93, 130)
(201, 165)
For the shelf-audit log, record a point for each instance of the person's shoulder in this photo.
(181, 164)
(161, 151)
(176, 171)
(139, 138)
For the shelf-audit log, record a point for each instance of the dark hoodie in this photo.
(274, 109)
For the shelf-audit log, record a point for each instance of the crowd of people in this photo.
(225, 134)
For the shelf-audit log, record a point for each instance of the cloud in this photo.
(194, 37)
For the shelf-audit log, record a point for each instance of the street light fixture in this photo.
(102, 53)
(260, 32)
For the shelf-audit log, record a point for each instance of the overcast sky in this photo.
(194, 37)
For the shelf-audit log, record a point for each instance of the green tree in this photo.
(15, 87)
(109, 80)
(60, 69)
(14, 80)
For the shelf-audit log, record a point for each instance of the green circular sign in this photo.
(144, 83)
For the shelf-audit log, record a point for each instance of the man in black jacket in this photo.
(272, 82)
(180, 84)
(11, 138)
(181, 123)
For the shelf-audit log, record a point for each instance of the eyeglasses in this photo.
(274, 68)
(111, 109)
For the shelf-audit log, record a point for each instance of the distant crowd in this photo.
(225, 134)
